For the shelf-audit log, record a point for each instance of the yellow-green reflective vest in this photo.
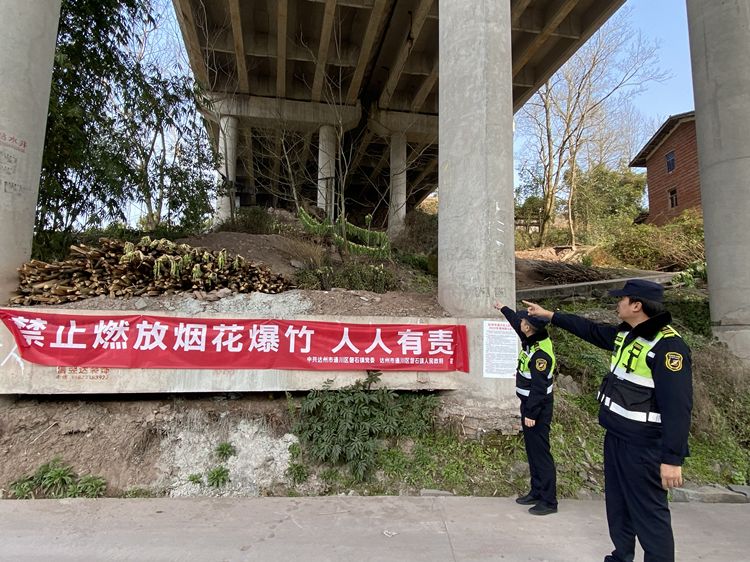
(523, 375)
(628, 390)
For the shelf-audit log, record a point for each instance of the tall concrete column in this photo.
(228, 151)
(27, 49)
(476, 243)
(720, 54)
(326, 168)
(397, 207)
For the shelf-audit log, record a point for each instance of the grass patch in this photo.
(251, 220)
(53, 479)
(353, 275)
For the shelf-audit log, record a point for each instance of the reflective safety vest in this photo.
(628, 389)
(523, 374)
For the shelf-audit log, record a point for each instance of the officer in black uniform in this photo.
(534, 387)
(645, 406)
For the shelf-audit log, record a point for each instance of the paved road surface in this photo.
(362, 529)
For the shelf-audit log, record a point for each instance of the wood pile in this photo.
(561, 273)
(125, 270)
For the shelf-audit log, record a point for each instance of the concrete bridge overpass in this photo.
(349, 89)
(484, 57)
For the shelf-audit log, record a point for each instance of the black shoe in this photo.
(528, 499)
(543, 509)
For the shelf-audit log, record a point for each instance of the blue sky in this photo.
(666, 20)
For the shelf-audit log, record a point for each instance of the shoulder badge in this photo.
(541, 364)
(674, 361)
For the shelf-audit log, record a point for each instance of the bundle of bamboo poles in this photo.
(125, 270)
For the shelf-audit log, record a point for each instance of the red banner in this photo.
(158, 342)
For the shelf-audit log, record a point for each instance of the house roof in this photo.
(659, 137)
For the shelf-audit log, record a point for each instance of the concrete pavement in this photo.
(365, 529)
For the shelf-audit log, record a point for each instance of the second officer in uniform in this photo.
(534, 387)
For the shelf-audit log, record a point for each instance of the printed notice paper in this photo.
(500, 350)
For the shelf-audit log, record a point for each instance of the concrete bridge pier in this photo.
(720, 53)
(327, 144)
(476, 260)
(397, 206)
(27, 48)
(476, 239)
(228, 151)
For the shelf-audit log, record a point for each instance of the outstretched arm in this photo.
(511, 316)
(598, 334)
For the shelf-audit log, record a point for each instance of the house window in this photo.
(673, 198)
(670, 162)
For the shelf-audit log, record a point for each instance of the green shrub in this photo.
(557, 237)
(525, 240)
(418, 261)
(195, 479)
(295, 451)
(57, 481)
(691, 312)
(297, 473)
(224, 451)
(347, 426)
(135, 493)
(22, 488)
(50, 246)
(420, 232)
(218, 477)
(353, 275)
(251, 220)
(88, 487)
(673, 247)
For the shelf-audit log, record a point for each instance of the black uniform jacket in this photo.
(673, 388)
(538, 396)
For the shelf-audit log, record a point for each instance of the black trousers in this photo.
(636, 502)
(541, 463)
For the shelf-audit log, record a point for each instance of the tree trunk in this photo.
(573, 178)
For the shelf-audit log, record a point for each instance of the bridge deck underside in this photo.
(379, 55)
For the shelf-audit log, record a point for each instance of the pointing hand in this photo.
(536, 310)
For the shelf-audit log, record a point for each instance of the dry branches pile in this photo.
(125, 270)
(561, 273)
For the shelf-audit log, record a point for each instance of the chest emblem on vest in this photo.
(674, 361)
(541, 364)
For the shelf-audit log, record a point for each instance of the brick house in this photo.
(671, 161)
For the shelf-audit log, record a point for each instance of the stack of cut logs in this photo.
(125, 270)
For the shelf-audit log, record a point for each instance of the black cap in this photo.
(642, 289)
(536, 321)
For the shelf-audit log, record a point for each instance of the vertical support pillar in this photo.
(397, 207)
(27, 52)
(228, 152)
(720, 52)
(326, 168)
(249, 166)
(476, 260)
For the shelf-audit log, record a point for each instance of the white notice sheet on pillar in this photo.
(500, 350)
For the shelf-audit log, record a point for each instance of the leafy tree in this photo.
(123, 127)
(583, 105)
(605, 198)
(81, 176)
